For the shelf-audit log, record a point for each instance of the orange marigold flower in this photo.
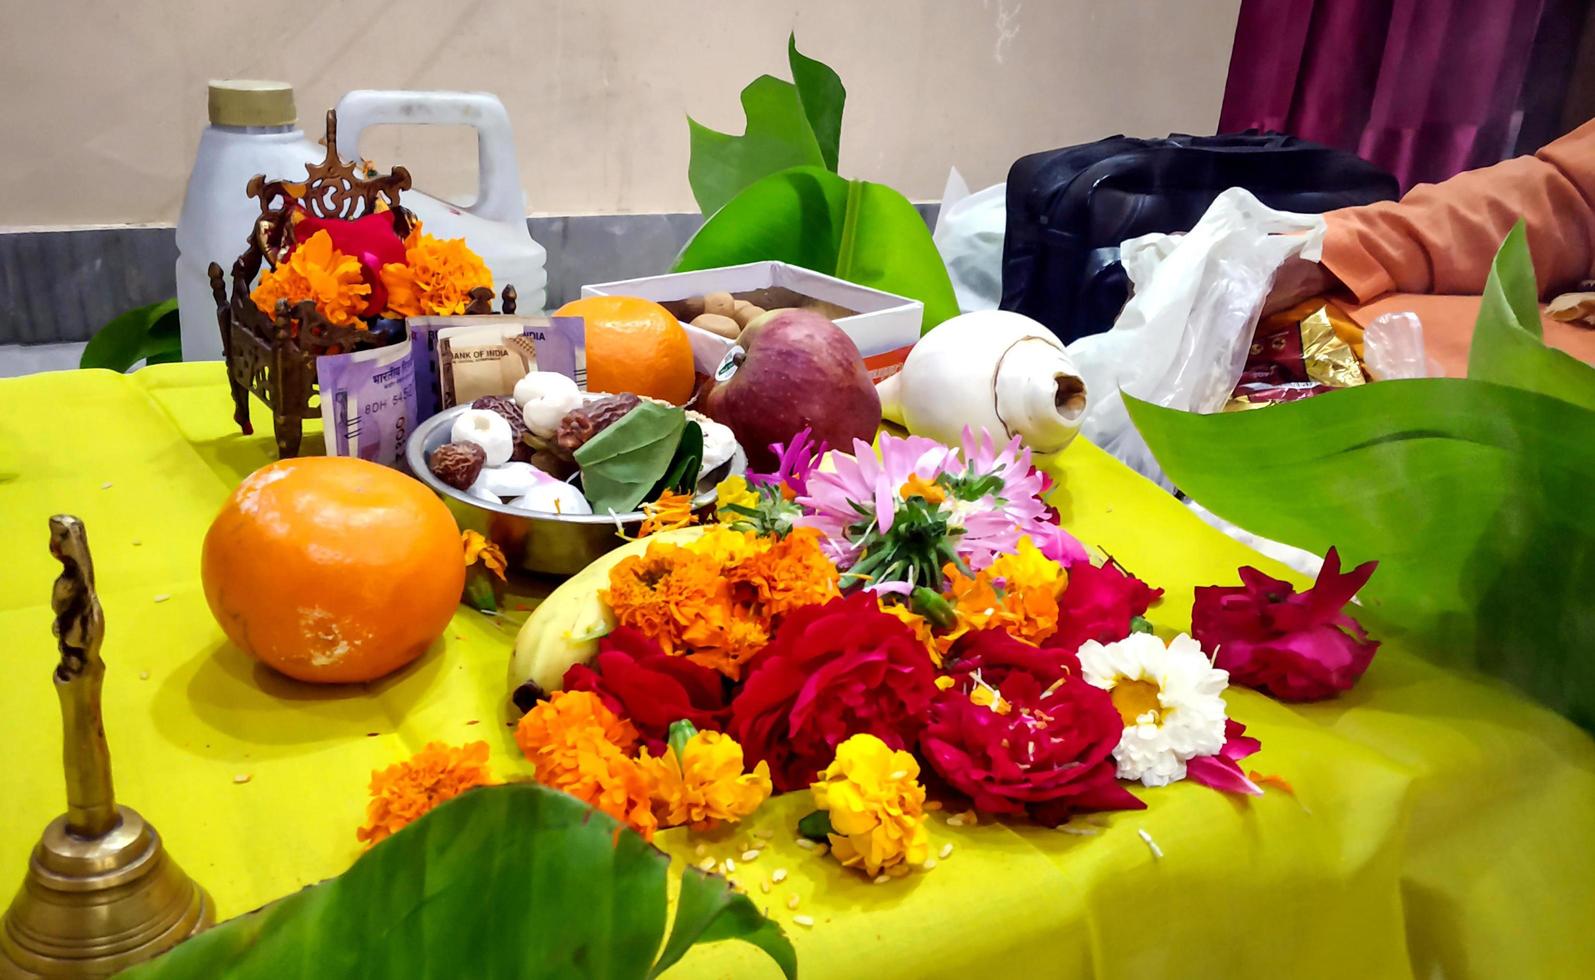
(1016, 593)
(671, 511)
(705, 783)
(718, 599)
(478, 548)
(317, 271)
(578, 746)
(436, 278)
(405, 790)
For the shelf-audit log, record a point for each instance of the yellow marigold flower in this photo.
(876, 806)
(725, 546)
(405, 790)
(436, 278)
(317, 271)
(672, 510)
(578, 746)
(733, 491)
(705, 784)
(478, 548)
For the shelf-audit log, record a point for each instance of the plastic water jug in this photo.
(252, 131)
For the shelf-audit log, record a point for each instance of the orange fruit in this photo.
(333, 569)
(634, 345)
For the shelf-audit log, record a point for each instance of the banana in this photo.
(565, 628)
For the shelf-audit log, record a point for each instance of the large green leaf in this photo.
(1507, 344)
(148, 333)
(852, 229)
(822, 96)
(513, 881)
(1472, 494)
(789, 124)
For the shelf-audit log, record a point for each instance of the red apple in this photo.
(799, 370)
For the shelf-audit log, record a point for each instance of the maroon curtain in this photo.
(1424, 88)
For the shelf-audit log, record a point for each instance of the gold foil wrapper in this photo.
(1327, 357)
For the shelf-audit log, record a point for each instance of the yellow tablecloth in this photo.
(1442, 825)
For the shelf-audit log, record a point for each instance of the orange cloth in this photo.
(1440, 239)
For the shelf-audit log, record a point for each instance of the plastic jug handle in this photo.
(498, 178)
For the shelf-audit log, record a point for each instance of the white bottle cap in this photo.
(249, 102)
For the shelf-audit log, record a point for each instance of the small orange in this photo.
(634, 345)
(333, 569)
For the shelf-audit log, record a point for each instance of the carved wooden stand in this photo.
(275, 356)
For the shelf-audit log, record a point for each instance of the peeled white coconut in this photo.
(553, 497)
(545, 398)
(513, 479)
(719, 444)
(991, 369)
(487, 429)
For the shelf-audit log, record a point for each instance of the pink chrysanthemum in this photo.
(897, 518)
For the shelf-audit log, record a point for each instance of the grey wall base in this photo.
(58, 287)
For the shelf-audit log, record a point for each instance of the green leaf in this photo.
(855, 230)
(681, 475)
(1507, 344)
(516, 880)
(816, 826)
(777, 136)
(822, 96)
(1472, 495)
(707, 911)
(148, 333)
(621, 464)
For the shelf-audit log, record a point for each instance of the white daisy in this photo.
(1170, 699)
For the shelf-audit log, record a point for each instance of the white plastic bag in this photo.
(1181, 340)
(969, 231)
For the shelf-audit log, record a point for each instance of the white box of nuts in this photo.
(884, 326)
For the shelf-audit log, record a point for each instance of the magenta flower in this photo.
(1295, 646)
(863, 490)
(1222, 771)
(794, 463)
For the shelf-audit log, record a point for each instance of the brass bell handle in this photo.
(79, 678)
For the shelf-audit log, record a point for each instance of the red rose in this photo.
(1293, 646)
(370, 239)
(831, 671)
(1098, 604)
(1020, 735)
(637, 680)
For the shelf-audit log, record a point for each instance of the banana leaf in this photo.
(788, 125)
(511, 881)
(1473, 494)
(621, 464)
(853, 229)
(148, 334)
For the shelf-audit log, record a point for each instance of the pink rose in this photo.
(1295, 646)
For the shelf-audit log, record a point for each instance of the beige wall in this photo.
(104, 100)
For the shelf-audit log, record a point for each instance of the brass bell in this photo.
(101, 892)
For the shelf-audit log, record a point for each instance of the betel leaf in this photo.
(852, 229)
(516, 880)
(148, 334)
(621, 464)
(822, 95)
(681, 475)
(1472, 494)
